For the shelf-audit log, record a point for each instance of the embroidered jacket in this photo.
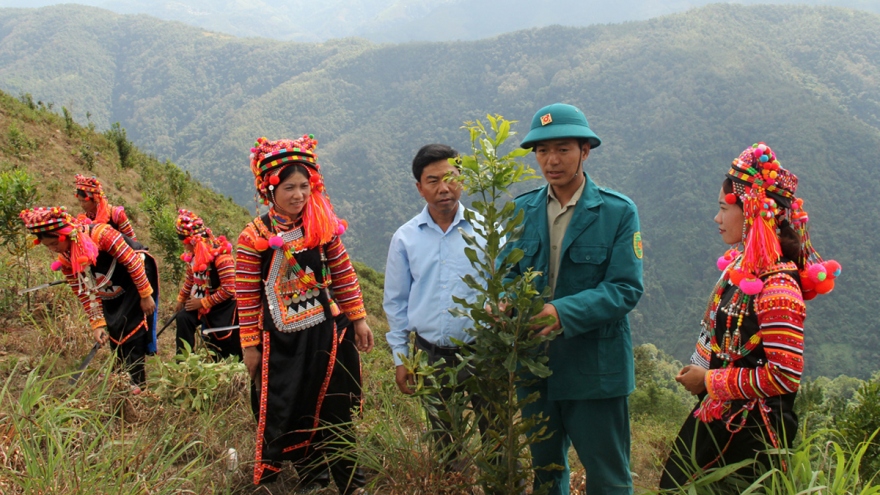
(249, 282)
(119, 221)
(110, 241)
(775, 365)
(200, 284)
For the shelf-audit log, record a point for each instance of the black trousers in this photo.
(442, 430)
(130, 357)
(224, 344)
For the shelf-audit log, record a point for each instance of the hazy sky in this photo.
(403, 20)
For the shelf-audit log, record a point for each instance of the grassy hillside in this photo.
(675, 99)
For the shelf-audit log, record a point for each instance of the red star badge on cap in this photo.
(546, 119)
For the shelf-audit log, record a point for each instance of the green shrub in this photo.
(69, 124)
(193, 381)
(19, 144)
(117, 134)
(859, 423)
(18, 191)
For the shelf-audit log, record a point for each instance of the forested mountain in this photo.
(675, 99)
(403, 20)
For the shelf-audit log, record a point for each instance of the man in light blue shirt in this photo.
(426, 263)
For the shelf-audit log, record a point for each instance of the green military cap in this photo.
(560, 121)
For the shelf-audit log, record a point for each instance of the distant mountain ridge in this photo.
(398, 21)
(675, 99)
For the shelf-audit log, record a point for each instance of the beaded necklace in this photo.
(738, 307)
(306, 281)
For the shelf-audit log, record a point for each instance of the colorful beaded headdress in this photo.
(189, 224)
(58, 222)
(767, 192)
(92, 186)
(269, 158)
(43, 220)
(205, 246)
(88, 184)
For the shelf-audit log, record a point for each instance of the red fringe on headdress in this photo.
(762, 247)
(83, 251)
(319, 220)
(202, 255)
(102, 214)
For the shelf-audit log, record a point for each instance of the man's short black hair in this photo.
(429, 154)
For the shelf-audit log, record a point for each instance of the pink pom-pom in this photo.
(816, 272)
(276, 242)
(757, 152)
(832, 268)
(751, 286)
(202, 268)
(340, 229)
(723, 262)
(56, 265)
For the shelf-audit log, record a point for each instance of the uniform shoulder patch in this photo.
(637, 245)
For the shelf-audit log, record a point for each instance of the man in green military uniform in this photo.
(586, 242)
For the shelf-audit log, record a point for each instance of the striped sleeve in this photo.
(781, 311)
(121, 220)
(94, 308)
(185, 291)
(225, 266)
(110, 241)
(247, 287)
(345, 285)
(703, 353)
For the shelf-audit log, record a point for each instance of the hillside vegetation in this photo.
(675, 99)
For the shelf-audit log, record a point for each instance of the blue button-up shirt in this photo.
(424, 270)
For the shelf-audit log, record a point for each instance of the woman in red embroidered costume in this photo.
(749, 356)
(302, 319)
(120, 301)
(94, 203)
(207, 296)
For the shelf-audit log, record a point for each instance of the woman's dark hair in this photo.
(290, 170)
(81, 193)
(45, 235)
(429, 154)
(789, 240)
